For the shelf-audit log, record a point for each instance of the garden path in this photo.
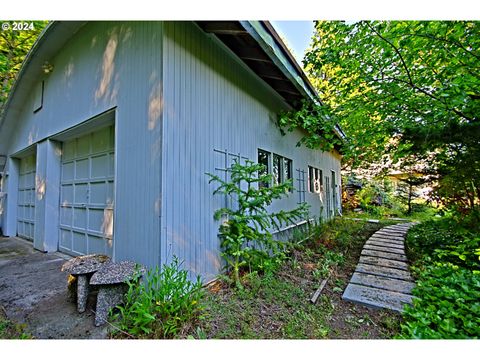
(381, 278)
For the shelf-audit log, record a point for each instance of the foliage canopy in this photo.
(406, 92)
(14, 46)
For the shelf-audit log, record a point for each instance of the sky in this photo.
(297, 34)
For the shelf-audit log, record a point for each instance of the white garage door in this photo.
(87, 194)
(26, 198)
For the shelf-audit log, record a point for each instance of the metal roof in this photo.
(259, 46)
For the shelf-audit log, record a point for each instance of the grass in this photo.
(277, 305)
(10, 330)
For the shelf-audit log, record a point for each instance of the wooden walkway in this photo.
(381, 278)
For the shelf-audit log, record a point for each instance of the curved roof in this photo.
(50, 41)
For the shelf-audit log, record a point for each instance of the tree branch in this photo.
(397, 51)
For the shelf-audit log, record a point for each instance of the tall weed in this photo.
(161, 304)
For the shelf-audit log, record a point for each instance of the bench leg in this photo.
(82, 293)
(109, 296)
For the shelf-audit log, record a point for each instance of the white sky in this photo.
(245, 10)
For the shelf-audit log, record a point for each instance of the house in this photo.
(112, 126)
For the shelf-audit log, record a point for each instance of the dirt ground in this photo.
(33, 292)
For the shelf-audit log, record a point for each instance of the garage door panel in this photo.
(31, 213)
(96, 245)
(68, 171)
(31, 196)
(82, 169)
(68, 152)
(66, 196)
(110, 193)
(101, 141)
(100, 166)
(99, 245)
(79, 244)
(30, 230)
(98, 193)
(83, 146)
(95, 219)
(31, 178)
(65, 239)
(26, 198)
(80, 218)
(88, 194)
(111, 159)
(66, 216)
(80, 194)
(20, 228)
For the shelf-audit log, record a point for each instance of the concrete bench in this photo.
(83, 267)
(111, 280)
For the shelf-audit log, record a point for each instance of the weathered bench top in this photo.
(116, 273)
(85, 264)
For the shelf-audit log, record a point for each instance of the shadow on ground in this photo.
(33, 291)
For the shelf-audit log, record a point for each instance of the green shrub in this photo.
(447, 267)
(447, 304)
(445, 240)
(161, 303)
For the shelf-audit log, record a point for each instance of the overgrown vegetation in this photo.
(277, 304)
(379, 199)
(10, 330)
(446, 256)
(245, 233)
(14, 46)
(404, 92)
(164, 304)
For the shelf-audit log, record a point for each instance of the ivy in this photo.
(315, 120)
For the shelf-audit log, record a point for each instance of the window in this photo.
(280, 167)
(38, 99)
(264, 159)
(315, 182)
(277, 169)
(287, 169)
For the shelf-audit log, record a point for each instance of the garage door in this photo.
(26, 198)
(87, 194)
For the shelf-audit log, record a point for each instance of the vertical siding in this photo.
(212, 101)
(138, 147)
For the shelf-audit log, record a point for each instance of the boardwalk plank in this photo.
(373, 260)
(382, 282)
(377, 298)
(384, 255)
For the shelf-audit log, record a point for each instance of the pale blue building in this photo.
(111, 127)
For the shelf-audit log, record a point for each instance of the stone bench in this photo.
(111, 280)
(83, 267)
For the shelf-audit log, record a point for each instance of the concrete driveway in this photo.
(33, 291)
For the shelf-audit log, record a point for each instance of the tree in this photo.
(246, 240)
(14, 46)
(404, 89)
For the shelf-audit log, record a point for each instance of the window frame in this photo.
(280, 177)
(268, 155)
(315, 175)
